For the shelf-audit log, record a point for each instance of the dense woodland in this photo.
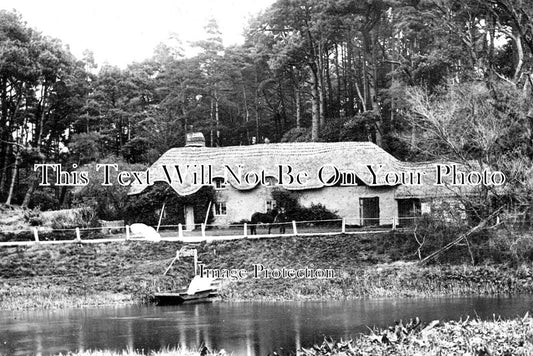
(424, 79)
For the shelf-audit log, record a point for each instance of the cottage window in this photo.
(408, 211)
(220, 209)
(219, 183)
(270, 205)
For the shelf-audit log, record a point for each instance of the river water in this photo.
(247, 328)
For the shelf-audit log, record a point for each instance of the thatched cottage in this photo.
(358, 180)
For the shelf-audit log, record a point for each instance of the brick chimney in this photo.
(195, 139)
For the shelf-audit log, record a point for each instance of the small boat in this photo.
(201, 290)
(205, 296)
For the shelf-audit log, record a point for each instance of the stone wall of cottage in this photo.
(345, 201)
(241, 204)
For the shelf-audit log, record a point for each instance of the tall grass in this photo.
(56, 297)
(390, 280)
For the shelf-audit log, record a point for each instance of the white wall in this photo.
(342, 200)
(345, 201)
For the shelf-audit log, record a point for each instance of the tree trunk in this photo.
(298, 109)
(283, 110)
(13, 178)
(38, 140)
(42, 114)
(4, 134)
(217, 119)
(349, 80)
(320, 87)
(211, 114)
(373, 89)
(337, 73)
(315, 106)
(31, 189)
(247, 113)
(256, 107)
(19, 141)
(364, 76)
(329, 104)
(185, 122)
(4, 177)
(520, 57)
(361, 98)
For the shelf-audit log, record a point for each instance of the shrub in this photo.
(432, 233)
(44, 199)
(142, 208)
(33, 217)
(295, 211)
(72, 218)
(488, 245)
(108, 201)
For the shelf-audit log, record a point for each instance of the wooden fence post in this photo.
(343, 225)
(195, 255)
(245, 229)
(161, 216)
(78, 235)
(180, 231)
(203, 230)
(36, 235)
(294, 231)
(127, 232)
(394, 223)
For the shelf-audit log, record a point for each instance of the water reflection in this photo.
(241, 328)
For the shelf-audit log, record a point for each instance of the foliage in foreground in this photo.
(469, 337)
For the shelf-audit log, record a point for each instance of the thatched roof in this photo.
(302, 156)
(428, 189)
(309, 157)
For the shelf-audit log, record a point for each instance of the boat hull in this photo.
(206, 296)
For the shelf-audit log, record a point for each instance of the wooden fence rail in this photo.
(209, 232)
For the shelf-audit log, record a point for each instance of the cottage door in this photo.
(369, 211)
(189, 217)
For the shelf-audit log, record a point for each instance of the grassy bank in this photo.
(117, 273)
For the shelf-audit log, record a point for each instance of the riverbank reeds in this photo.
(468, 337)
(30, 296)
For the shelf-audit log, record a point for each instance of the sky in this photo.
(121, 32)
